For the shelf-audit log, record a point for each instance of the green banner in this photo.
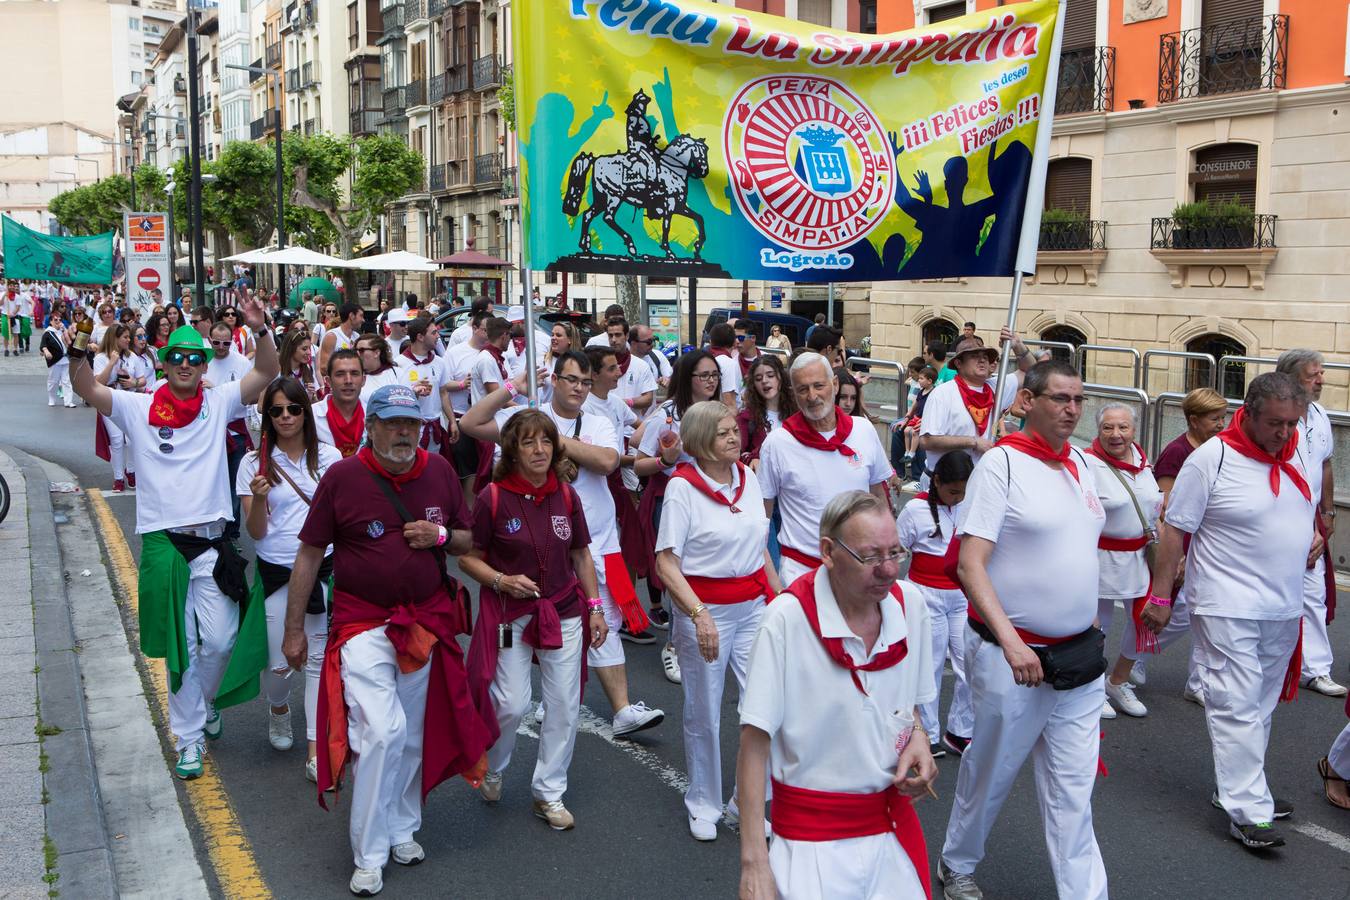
(42, 257)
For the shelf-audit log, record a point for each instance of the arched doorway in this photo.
(940, 330)
(1232, 378)
(1065, 334)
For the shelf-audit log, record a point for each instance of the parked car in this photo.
(761, 321)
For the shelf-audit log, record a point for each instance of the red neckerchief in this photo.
(347, 433)
(1236, 438)
(625, 360)
(367, 456)
(167, 409)
(746, 363)
(500, 357)
(804, 589)
(1099, 451)
(519, 344)
(1035, 446)
(691, 475)
(407, 351)
(977, 404)
(719, 351)
(806, 434)
(516, 484)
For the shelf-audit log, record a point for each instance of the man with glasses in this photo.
(956, 414)
(747, 346)
(637, 384)
(1028, 564)
(642, 344)
(815, 455)
(190, 575)
(202, 318)
(845, 767)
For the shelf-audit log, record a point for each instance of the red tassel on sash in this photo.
(620, 585)
(1291, 674)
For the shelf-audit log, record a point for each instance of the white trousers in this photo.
(212, 624)
(58, 376)
(117, 448)
(1339, 755)
(277, 679)
(1177, 626)
(560, 678)
(947, 612)
(1060, 730)
(737, 625)
(610, 653)
(1242, 665)
(386, 709)
(1316, 643)
(789, 570)
(874, 867)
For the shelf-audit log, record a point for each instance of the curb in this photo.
(75, 821)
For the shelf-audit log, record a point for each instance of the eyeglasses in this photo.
(295, 409)
(220, 343)
(574, 381)
(1063, 399)
(894, 556)
(192, 358)
(741, 337)
(707, 376)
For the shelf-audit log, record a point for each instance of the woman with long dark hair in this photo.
(848, 395)
(159, 330)
(175, 317)
(766, 405)
(297, 361)
(114, 367)
(378, 364)
(275, 484)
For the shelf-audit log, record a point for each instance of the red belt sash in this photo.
(1127, 544)
(930, 570)
(620, 585)
(722, 591)
(811, 562)
(799, 814)
(1028, 637)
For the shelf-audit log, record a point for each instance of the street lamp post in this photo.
(280, 171)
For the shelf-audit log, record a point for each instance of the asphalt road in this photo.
(1159, 836)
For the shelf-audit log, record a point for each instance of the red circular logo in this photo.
(148, 279)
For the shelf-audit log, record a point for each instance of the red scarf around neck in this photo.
(500, 356)
(719, 351)
(407, 351)
(519, 344)
(166, 409)
(1035, 446)
(1236, 438)
(625, 360)
(367, 456)
(977, 402)
(806, 434)
(1099, 451)
(804, 589)
(516, 484)
(691, 475)
(347, 433)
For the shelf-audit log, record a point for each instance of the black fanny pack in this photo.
(1069, 664)
(275, 577)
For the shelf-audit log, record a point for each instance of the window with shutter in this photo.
(1068, 184)
(946, 11)
(1214, 11)
(1226, 172)
(1080, 25)
(817, 12)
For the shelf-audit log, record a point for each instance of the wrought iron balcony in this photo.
(416, 92)
(394, 18)
(456, 80)
(436, 178)
(273, 55)
(255, 129)
(309, 75)
(487, 72)
(179, 84)
(365, 121)
(1087, 80)
(415, 9)
(1216, 232)
(510, 186)
(292, 80)
(180, 131)
(487, 170)
(435, 7)
(436, 91)
(395, 101)
(253, 74)
(1226, 58)
(1084, 234)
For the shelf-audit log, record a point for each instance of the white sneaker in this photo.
(279, 730)
(702, 829)
(636, 717)
(1323, 685)
(366, 882)
(1122, 695)
(408, 853)
(1193, 697)
(1108, 711)
(1138, 674)
(539, 713)
(312, 770)
(491, 788)
(671, 663)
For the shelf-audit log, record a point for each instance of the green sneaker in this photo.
(214, 726)
(189, 763)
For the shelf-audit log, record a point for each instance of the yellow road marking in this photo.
(229, 849)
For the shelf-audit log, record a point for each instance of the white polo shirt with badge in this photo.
(183, 475)
(711, 540)
(637, 381)
(945, 414)
(804, 481)
(414, 373)
(1044, 525)
(458, 362)
(286, 511)
(1249, 548)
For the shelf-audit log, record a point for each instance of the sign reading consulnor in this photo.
(149, 265)
(1224, 170)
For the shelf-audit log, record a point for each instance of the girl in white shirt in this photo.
(115, 367)
(275, 484)
(927, 525)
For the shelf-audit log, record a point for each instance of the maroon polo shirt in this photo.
(1169, 461)
(528, 539)
(371, 559)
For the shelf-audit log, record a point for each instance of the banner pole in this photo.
(527, 288)
(1003, 357)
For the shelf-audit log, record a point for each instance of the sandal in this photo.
(1328, 776)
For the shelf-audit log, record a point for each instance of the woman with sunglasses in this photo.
(147, 364)
(107, 315)
(696, 378)
(113, 367)
(297, 361)
(275, 484)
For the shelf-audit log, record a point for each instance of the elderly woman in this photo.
(712, 556)
(1131, 499)
(539, 600)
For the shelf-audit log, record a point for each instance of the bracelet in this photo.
(1155, 600)
(497, 583)
(442, 537)
(693, 613)
(595, 605)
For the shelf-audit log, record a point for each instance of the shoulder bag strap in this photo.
(1149, 531)
(295, 487)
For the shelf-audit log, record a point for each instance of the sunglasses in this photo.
(192, 358)
(220, 343)
(295, 409)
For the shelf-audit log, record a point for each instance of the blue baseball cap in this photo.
(394, 401)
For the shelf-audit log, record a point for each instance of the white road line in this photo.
(1326, 836)
(590, 723)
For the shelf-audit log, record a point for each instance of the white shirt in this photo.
(944, 413)
(1314, 434)
(593, 489)
(804, 480)
(232, 368)
(485, 371)
(657, 362)
(124, 364)
(731, 375)
(25, 304)
(183, 476)
(321, 421)
(598, 340)
(637, 381)
(711, 540)
(391, 375)
(825, 734)
(286, 512)
(1249, 548)
(663, 420)
(343, 340)
(915, 525)
(1044, 525)
(458, 362)
(620, 414)
(433, 373)
(1124, 573)
(395, 345)
(461, 334)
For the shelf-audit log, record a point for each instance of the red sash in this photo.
(1127, 544)
(722, 591)
(624, 361)
(691, 475)
(799, 814)
(620, 585)
(978, 405)
(811, 562)
(1035, 446)
(930, 570)
(167, 410)
(1028, 637)
(1236, 438)
(806, 434)
(804, 589)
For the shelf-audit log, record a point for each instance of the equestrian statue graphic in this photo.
(644, 176)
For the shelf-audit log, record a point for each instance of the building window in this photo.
(1065, 334)
(940, 330)
(867, 16)
(1225, 173)
(1232, 378)
(817, 12)
(946, 11)
(1068, 184)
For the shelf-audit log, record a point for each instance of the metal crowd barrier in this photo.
(865, 364)
(1069, 349)
(1136, 359)
(1182, 354)
(1226, 361)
